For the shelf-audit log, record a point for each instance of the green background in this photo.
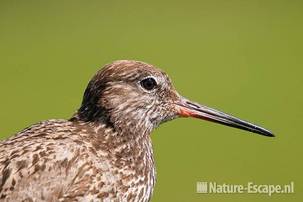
(242, 57)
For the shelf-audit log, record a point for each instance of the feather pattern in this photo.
(103, 153)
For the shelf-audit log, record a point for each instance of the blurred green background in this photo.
(242, 57)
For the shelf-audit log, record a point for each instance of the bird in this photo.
(104, 151)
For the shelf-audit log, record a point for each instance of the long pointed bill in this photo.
(187, 108)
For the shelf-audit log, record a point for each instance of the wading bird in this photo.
(104, 152)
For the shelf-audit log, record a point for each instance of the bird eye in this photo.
(148, 83)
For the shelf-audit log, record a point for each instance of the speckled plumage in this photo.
(59, 160)
(104, 152)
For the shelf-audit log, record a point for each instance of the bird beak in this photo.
(187, 108)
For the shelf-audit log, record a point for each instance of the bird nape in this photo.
(104, 152)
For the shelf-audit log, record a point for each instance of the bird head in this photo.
(138, 96)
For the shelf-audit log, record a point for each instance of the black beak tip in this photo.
(267, 133)
(270, 135)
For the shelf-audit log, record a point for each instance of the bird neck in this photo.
(124, 122)
(123, 127)
(130, 144)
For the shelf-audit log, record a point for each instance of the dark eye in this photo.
(148, 83)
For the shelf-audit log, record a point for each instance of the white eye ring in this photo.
(149, 83)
